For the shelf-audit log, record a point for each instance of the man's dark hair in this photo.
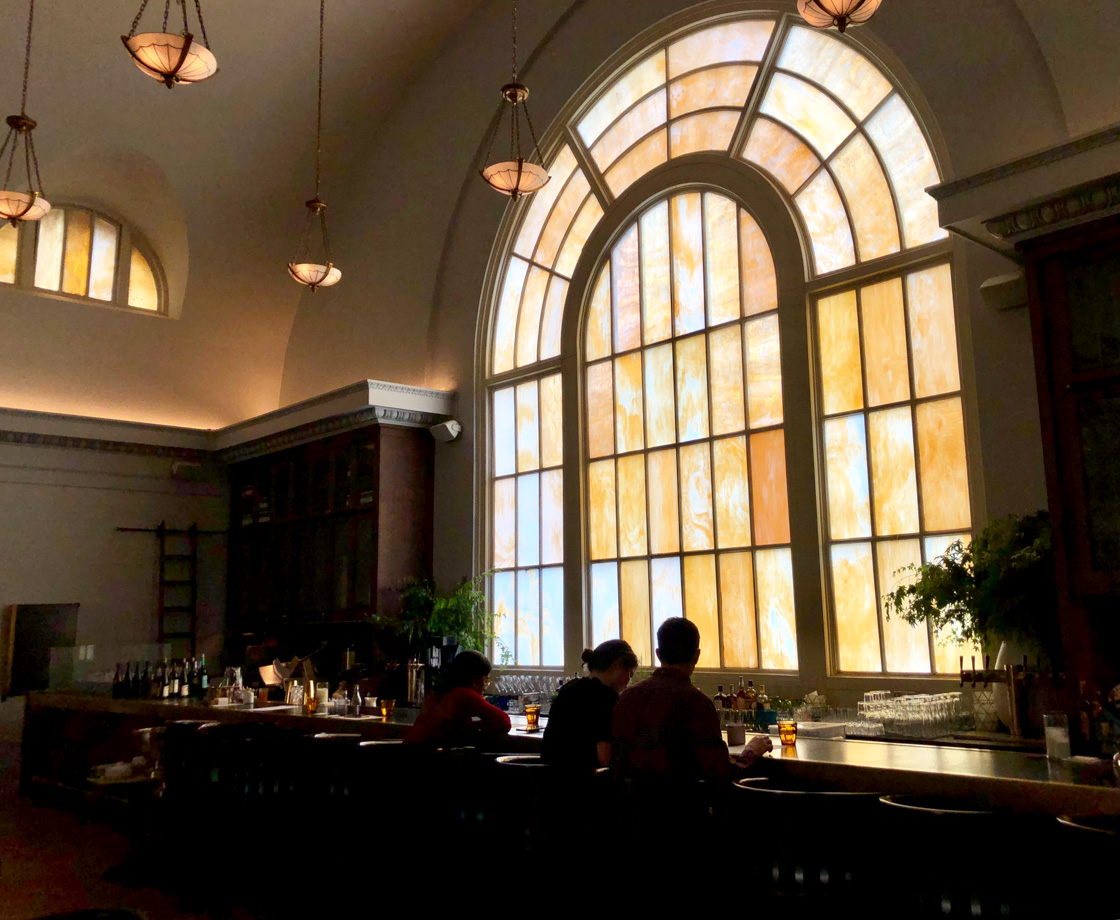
(465, 668)
(677, 641)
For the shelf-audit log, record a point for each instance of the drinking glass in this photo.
(532, 717)
(787, 731)
(387, 708)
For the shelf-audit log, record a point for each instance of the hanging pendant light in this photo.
(316, 274)
(516, 176)
(171, 58)
(823, 14)
(18, 206)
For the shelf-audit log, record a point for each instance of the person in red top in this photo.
(457, 713)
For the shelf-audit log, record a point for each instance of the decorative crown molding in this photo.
(1089, 201)
(65, 442)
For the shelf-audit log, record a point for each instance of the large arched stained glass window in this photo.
(686, 479)
(678, 505)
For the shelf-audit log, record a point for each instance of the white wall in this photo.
(59, 510)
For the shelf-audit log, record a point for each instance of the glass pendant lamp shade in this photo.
(171, 58)
(313, 274)
(823, 14)
(19, 206)
(516, 177)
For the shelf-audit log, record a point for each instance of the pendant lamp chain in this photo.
(16, 206)
(28, 148)
(319, 103)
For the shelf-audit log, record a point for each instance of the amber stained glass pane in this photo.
(838, 338)
(722, 258)
(702, 131)
(657, 316)
(553, 323)
(692, 388)
(552, 420)
(869, 198)
(552, 617)
(541, 203)
(712, 88)
(732, 494)
(808, 111)
(661, 426)
(600, 403)
(632, 505)
(745, 40)
(892, 471)
(726, 362)
(661, 479)
(75, 262)
(777, 622)
(528, 618)
(764, 372)
(768, 487)
(505, 327)
(505, 424)
(736, 596)
(906, 647)
(505, 607)
(634, 577)
(827, 222)
(505, 523)
(688, 263)
(884, 343)
(528, 433)
(839, 67)
(628, 130)
(601, 509)
(665, 580)
(142, 290)
(529, 323)
(947, 652)
(528, 519)
(598, 332)
(933, 331)
(628, 402)
(849, 508)
(856, 608)
(640, 79)
(604, 601)
(647, 155)
(48, 252)
(700, 605)
(760, 283)
(625, 292)
(561, 218)
(590, 213)
(8, 239)
(944, 472)
(786, 157)
(696, 498)
(103, 259)
(552, 517)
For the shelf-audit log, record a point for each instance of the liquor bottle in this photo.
(741, 696)
(164, 680)
(118, 684)
(763, 699)
(185, 681)
(173, 682)
(203, 677)
(134, 685)
(718, 698)
(146, 683)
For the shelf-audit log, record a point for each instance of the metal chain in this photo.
(201, 24)
(326, 236)
(35, 160)
(319, 111)
(514, 41)
(532, 133)
(13, 135)
(166, 13)
(27, 58)
(183, 7)
(136, 21)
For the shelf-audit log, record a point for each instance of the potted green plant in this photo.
(997, 589)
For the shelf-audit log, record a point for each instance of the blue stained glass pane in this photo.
(604, 602)
(528, 618)
(504, 616)
(529, 519)
(552, 617)
(665, 575)
(505, 454)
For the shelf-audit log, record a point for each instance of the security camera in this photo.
(446, 431)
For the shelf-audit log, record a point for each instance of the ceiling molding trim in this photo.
(1090, 201)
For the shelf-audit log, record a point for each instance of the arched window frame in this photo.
(800, 289)
(127, 239)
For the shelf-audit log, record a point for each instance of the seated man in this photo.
(666, 729)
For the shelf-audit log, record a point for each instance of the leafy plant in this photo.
(1000, 586)
(426, 612)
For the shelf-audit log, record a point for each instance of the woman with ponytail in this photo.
(578, 734)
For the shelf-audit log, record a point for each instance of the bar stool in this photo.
(819, 837)
(965, 857)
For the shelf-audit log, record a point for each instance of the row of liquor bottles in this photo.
(177, 679)
(747, 698)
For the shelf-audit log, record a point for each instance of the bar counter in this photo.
(87, 727)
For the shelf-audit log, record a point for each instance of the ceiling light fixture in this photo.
(316, 274)
(172, 58)
(30, 205)
(823, 14)
(516, 176)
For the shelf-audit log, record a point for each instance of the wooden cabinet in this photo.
(1074, 284)
(328, 531)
